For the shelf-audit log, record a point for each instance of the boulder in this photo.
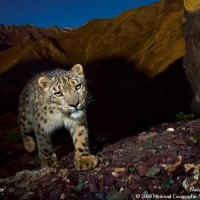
(192, 5)
(192, 56)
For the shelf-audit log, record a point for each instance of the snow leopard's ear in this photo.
(43, 82)
(77, 70)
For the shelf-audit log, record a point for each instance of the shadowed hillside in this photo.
(125, 96)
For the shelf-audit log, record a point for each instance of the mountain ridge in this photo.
(11, 35)
(137, 35)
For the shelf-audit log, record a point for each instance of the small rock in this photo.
(119, 169)
(100, 159)
(188, 166)
(101, 165)
(99, 196)
(97, 169)
(93, 184)
(33, 178)
(144, 136)
(142, 169)
(107, 163)
(149, 144)
(54, 179)
(115, 174)
(153, 171)
(11, 190)
(63, 172)
(170, 130)
(27, 196)
(192, 139)
(62, 196)
(172, 167)
(108, 179)
(130, 178)
(179, 141)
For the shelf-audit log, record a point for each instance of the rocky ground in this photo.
(161, 163)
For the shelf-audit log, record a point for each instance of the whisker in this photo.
(90, 98)
(90, 101)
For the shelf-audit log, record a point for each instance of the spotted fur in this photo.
(49, 101)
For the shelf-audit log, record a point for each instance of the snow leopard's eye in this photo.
(58, 94)
(78, 86)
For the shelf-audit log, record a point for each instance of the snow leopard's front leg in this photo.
(47, 156)
(83, 158)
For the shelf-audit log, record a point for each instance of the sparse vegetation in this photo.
(197, 138)
(184, 116)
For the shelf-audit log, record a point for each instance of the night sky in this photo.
(62, 13)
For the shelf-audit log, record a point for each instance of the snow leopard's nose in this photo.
(74, 104)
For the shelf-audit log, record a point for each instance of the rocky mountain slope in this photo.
(162, 162)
